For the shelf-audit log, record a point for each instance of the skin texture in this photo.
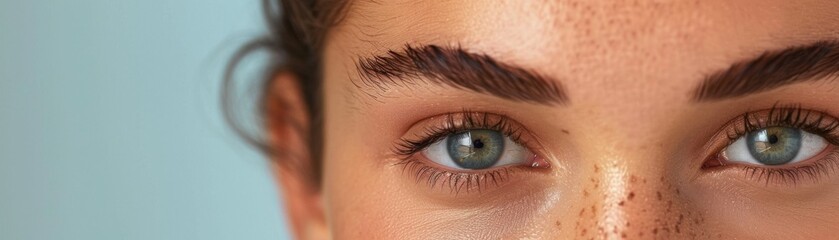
(625, 154)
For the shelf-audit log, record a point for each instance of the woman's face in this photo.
(582, 119)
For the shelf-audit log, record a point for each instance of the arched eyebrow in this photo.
(818, 61)
(458, 68)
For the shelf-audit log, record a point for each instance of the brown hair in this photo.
(294, 42)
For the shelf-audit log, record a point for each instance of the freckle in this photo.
(565, 131)
(585, 193)
(655, 231)
(596, 168)
(661, 179)
(620, 203)
(583, 233)
(644, 180)
(558, 225)
(678, 192)
(623, 235)
(631, 195)
(658, 195)
(640, 234)
(582, 211)
(593, 210)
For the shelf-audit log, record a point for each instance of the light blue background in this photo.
(110, 128)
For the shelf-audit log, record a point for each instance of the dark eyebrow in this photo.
(455, 67)
(771, 70)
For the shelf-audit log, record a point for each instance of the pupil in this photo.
(478, 143)
(773, 139)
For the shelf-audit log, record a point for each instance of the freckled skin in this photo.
(625, 154)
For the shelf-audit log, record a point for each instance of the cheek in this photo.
(749, 208)
(384, 203)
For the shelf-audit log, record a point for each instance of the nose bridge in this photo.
(625, 201)
(601, 212)
(630, 184)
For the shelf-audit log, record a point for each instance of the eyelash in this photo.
(792, 116)
(455, 123)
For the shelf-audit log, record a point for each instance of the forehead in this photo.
(568, 22)
(594, 47)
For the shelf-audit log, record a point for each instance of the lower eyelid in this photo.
(457, 182)
(813, 172)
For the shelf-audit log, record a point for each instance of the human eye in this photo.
(477, 149)
(775, 146)
(467, 150)
(782, 145)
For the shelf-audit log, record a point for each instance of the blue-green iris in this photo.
(476, 149)
(774, 145)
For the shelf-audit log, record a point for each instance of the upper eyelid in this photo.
(814, 121)
(455, 122)
(735, 128)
